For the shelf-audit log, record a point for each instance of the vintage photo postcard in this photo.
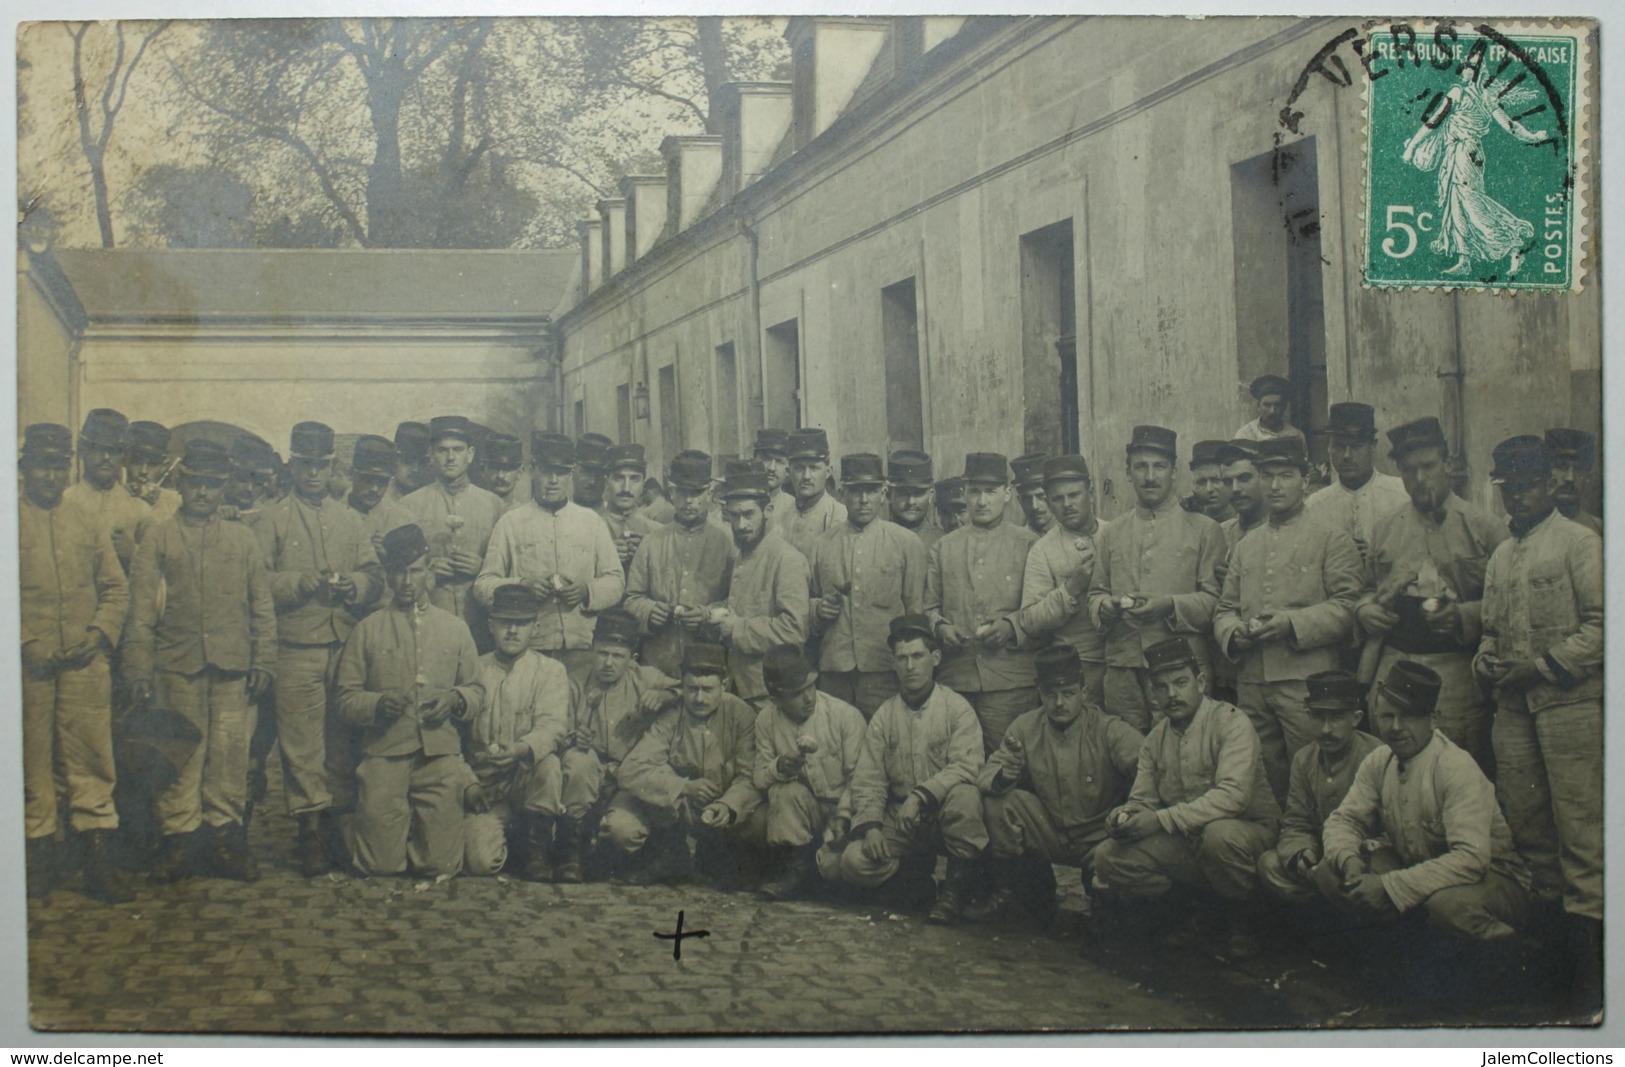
(861, 524)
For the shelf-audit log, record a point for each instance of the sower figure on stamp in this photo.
(208, 656)
(1573, 456)
(1425, 578)
(690, 776)
(147, 465)
(767, 593)
(1060, 568)
(1542, 655)
(807, 745)
(1200, 812)
(72, 598)
(772, 450)
(815, 513)
(1287, 609)
(914, 787)
(1028, 471)
(624, 488)
(865, 572)
(322, 567)
(610, 708)
(1420, 829)
(973, 599)
(512, 745)
(407, 671)
(1048, 788)
(1320, 779)
(680, 568)
(559, 550)
(1362, 496)
(908, 494)
(1156, 575)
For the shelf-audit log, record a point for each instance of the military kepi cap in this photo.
(1206, 453)
(628, 457)
(1155, 439)
(451, 426)
(1282, 452)
(1058, 665)
(515, 602)
(402, 546)
(1352, 420)
(252, 454)
(373, 455)
(907, 628)
(618, 628)
(1419, 433)
(205, 459)
(986, 468)
(503, 452)
(105, 428)
(1520, 459)
(149, 440)
(745, 481)
(690, 470)
(1333, 691)
(592, 451)
(1065, 468)
(773, 441)
(950, 493)
(1411, 688)
(47, 441)
(1029, 469)
(1573, 446)
(862, 468)
(809, 443)
(412, 441)
(1168, 654)
(1269, 385)
(909, 469)
(785, 669)
(552, 450)
(310, 440)
(702, 658)
(1238, 450)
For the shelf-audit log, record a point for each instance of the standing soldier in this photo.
(561, 551)
(815, 513)
(807, 746)
(1060, 568)
(973, 599)
(1270, 396)
(1207, 482)
(146, 463)
(1542, 654)
(1287, 609)
(1573, 456)
(412, 468)
(1156, 574)
(590, 476)
(73, 598)
(1362, 496)
(681, 568)
(504, 463)
(948, 496)
(1425, 578)
(1029, 479)
(253, 478)
(908, 492)
(207, 656)
(1246, 490)
(479, 442)
(627, 525)
(407, 671)
(372, 464)
(773, 451)
(322, 565)
(865, 573)
(98, 495)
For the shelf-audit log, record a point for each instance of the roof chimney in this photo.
(829, 58)
(693, 171)
(755, 116)
(592, 254)
(645, 196)
(613, 212)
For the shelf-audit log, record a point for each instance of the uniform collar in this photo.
(1157, 512)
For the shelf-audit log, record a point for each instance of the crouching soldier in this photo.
(807, 745)
(1447, 850)
(1201, 811)
(405, 672)
(512, 744)
(206, 657)
(610, 708)
(1048, 788)
(914, 786)
(1320, 779)
(690, 775)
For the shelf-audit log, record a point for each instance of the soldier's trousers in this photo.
(628, 821)
(1550, 776)
(212, 786)
(864, 690)
(956, 828)
(535, 789)
(1223, 857)
(1487, 910)
(1279, 882)
(583, 781)
(68, 749)
(318, 753)
(1126, 694)
(1464, 713)
(409, 813)
(1283, 726)
(793, 816)
(996, 709)
(1017, 822)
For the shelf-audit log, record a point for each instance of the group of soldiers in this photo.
(761, 680)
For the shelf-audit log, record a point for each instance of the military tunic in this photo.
(1050, 612)
(124, 516)
(767, 596)
(1358, 512)
(803, 529)
(605, 725)
(800, 807)
(676, 565)
(460, 520)
(879, 573)
(1314, 791)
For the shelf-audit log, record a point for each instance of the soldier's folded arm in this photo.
(1331, 621)
(1468, 813)
(1233, 781)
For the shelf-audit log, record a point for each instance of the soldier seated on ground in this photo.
(609, 711)
(1321, 776)
(914, 787)
(512, 745)
(1201, 811)
(807, 745)
(1048, 788)
(690, 776)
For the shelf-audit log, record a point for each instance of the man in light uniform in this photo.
(1425, 585)
(253, 479)
(146, 462)
(98, 494)
(1028, 471)
(1207, 482)
(1573, 456)
(1246, 489)
(1156, 574)
(773, 451)
(948, 499)
(816, 512)
(504, 469)
(372, 465)
(865, 573)
(1362, 496)
(72, 598)
(561, 551)
(908, 494)
(1060, 568)
(413, 470)
(590, 476)
(1271, 394)
(627, 525)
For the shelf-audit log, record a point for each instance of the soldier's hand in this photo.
(1374, 618)
(37, 663)
(1013, 745)
(311, 583)
(1001, 634)
(1150, 609)
(1366, 892)
(502, 756)
(718, 814)
(788, 766)
(701, 790)
(123, 543)
(141, 693)
(393, 704)
(259, 682)
(465, 563)
(82, 652)
(344, 588)
(228, 512)
(908, 813)
(475, 800)
(828, 608)
(1489, 667)
(1352, 869)
(436, 707)
(952, 637)
(1077, 583)
(653, 700)
(1445, 619)
(441, 567)
(1301, 864)
(874, 845)
(571, 592)
(718, 615)
(1520, 674)
(659, 615)
(837, 829)
(542, 587)
(1270, 626)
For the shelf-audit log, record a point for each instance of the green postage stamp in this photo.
(1477, 155)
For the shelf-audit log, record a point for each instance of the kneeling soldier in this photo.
(1048, 788)
(1201, 811)
(914, 786)
(512, 744)
(690, 774)
(1446, 850)
(1321, 776)
(403, 674)
(807, 745)
(207, 656)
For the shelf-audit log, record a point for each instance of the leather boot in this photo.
(538, 865)
(664, 860)
(332, 836)
(992, 907)
(103, 880)
(800, 866)
(174, 860)
(310, 856)
(951, 897)
(568, 844)
(1585, 947)
(40, 857)
(229, 856)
